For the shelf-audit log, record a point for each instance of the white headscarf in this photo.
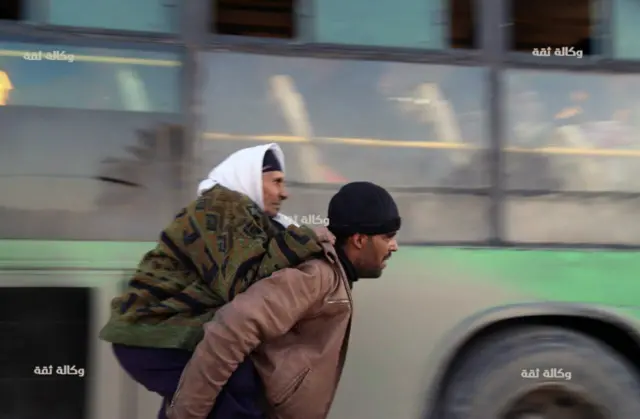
(242, 172)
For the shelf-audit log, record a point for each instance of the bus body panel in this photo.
(407, 325)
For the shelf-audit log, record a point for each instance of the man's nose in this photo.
(393, 245)
(284, 194)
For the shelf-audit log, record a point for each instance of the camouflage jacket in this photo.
(214, 249)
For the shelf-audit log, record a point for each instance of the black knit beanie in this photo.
(364, 208)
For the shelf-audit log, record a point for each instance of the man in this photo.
(216, 247)
(295, 324)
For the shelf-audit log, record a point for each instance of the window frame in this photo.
(303, 41)
(22, 27)
(493, 21)
(187, 74)
(492, 24)
(604, 25)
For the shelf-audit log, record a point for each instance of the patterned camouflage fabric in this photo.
(214, 249)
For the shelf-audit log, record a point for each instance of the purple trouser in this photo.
(159, 371)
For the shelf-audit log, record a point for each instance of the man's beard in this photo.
(369, 272)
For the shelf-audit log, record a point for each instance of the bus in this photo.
(514, 293)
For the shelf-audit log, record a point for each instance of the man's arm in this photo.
(265, 311)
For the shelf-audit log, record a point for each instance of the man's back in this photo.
(301, 369)
(295, 324)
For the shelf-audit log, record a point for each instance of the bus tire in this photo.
(487, 383)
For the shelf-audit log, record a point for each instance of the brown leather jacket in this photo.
(295, 324)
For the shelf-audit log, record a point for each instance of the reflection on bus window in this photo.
(90, 78)
(5, 88)
(574, 147)
(399, 125)
(426, 119)
(91, 145)
(590, 120)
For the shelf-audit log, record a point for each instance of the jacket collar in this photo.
(349, 269)
(342, 264)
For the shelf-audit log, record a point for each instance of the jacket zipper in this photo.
(175, 395)
(290, 390)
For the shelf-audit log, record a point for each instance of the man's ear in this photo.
(358, 240)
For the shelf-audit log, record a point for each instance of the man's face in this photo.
(273, 192)
(372, 252)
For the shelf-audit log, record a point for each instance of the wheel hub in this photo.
(553, 402)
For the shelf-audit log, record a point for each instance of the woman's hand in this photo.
(324, 235)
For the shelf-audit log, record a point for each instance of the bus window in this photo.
(572, 157)
(92, 145)
(91, 78)
(418, 129)
(161, 16)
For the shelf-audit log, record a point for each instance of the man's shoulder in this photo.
(320, 267)
(318, 271)
(328, 278)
